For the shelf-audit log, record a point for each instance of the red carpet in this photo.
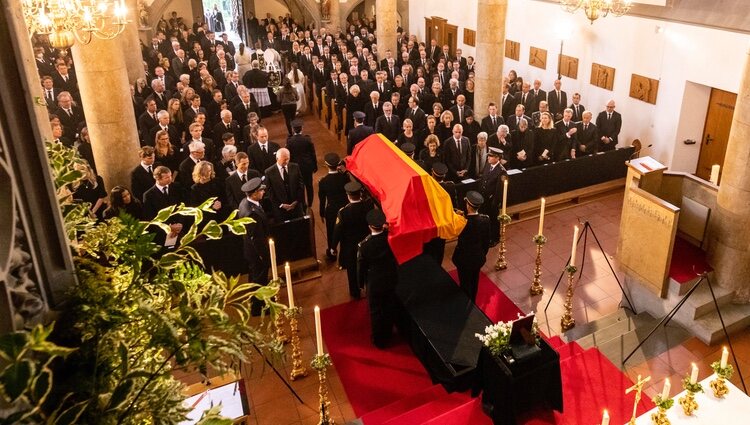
(390, 387)
(687, 261)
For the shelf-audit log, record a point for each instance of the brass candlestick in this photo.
(567, 321)
(719, 385)
(638, 388)
(536, 284)
(501, 263)
(278, 323)
(660, 416)
(298, 370)
(321, 362)
(688, 403)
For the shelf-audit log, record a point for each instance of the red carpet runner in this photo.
(390, 387)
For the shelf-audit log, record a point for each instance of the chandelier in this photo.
(68, 21)
(595, 9)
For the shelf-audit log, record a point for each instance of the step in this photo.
(663, 339)
(581, 330)
(708, 328)
(399, 407)
(569, 351)
(427, 411)
(555, 341)
(615, 329)
(700, 301)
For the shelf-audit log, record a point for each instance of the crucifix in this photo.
(638, 388)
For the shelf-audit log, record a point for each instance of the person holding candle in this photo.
(491, 189)
(473, 243)
(351, 227)
(377, 268)
(255, 247)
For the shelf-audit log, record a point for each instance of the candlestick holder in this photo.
(279, 321)
(719, 385)
(567, 321)
(298, 370)
(536, 284)
(321, 363)
(638, 388)
(688, 403)
(501, 263)
(660, 416)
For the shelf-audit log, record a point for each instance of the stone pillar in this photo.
(490, 51)
(386, 15)
(131, 43)
(105, 94)
(335, 23)
(729, 252)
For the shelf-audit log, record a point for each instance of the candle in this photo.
(715, 174)
(665, 391)
(289, 292)
(272, 248)
(505, 194)
(318, 331)
(694, 374)
(575, 245)
(541, 218)
(724, 357)
(605, 418)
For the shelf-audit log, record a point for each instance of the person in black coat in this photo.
(577, 108)
(351, 227)
(522, 140)
(388, 124)
(587, 142)
(302, 152)
(233, 183)
(263, 153)
(359, 133)
(491, 189)
(121, 200)
(286, 190)
(457, 154)
(331, 198)
(492, 121)
(142, 176)
(164, 193)
(609, 123)
(473, 242)
(255, 246)
(377, 268)
(567, 136)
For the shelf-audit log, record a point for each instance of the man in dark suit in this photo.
(587, 137)
(567, 137)
(539, 95)
(351, 227)
(70, 115)
(342, 91)
(473, 242)
(164, 193)
(377, 268)
(147, 121)
(434, 51)
(233, 183)
(609, 123)
(302, 152)
(460, 110)
(331, 198)
(197, 154)
(388, 124)
(373, 108)
(162, 118)
(286, 189)
(255, 246)
(490, 187)
(577, 108)
(228, 125)
(416, 115)
(526, 98)
(63, 79)
(557, 101)
(359, 133)
(50, 93)
(142, 176)
(508, 102)
(513, 121)
(262, 154)
(160, 95)
(492, 121)
(246, 105)
(457, 154)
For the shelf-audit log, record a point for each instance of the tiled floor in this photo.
(597, 295)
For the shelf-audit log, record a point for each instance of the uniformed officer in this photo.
(256, 249)
(472, 246)
(378, 269)
(435, 248)
(359, 133)
(332, 197)
(351, 227)
(302, 153)
(408, 149)
(439, 171)
(490, 188)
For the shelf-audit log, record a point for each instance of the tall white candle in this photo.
(715, 174)
(694, 374)
(605, 418)
(541, 218)
(505, 194)
(724, 357)
(272, 248)
(289, 292)
(575, 245)
(318, 331)
(665, 391)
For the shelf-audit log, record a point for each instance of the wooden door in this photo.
(451, 38)
(716, 132)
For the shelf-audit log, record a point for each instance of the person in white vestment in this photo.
(298, 82)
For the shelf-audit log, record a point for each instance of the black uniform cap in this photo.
(474, 198)
(359, 116)
(297, 123)
(408, 148)
(352, 187)
(494, 152)
(439, 169)
(332, 159)
(375, 218)
(253, 185)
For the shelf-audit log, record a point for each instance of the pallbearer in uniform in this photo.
(256, 249)
(332, 197)
(472, 246)
(490, 188)
(435, 248)
(377, 268)
(351, 227)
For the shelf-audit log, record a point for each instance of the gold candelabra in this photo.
(536, 284)
(298, 370)
(660, 416)
(321, 362)
(688, 403)
(501, 263)
(638, 388)
(719, 385)
(279, 321)
(567, 321)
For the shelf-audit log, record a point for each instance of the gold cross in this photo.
(638, 387)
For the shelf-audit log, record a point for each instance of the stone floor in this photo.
(596, 295)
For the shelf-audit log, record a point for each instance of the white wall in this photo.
(275, 7)
(460, 13)
(681, 54)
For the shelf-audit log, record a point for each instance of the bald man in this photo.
(609, 123)
(286, 190)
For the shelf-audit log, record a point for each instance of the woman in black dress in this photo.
(165, 153)
(355, 101)
(431, 154)
(545, 137)
(90, 189)
(407, 136)
(523, 146)
(207, 186)
(445, 129)
(121, 200)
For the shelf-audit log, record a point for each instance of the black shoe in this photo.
(331, 254)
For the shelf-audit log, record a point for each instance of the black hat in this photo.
(297, 123)
(439, 169)
(408, 148)
(253, 185)
(474, 198)
(332, 159)
(375, 218)
(359, 116)
(495, 152)
(352, 187)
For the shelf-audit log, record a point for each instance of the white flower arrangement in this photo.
(497, 337)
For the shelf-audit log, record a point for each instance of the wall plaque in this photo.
(538, 57)
(512, 50)
(569, 66)
(602, 76)
(644, 88)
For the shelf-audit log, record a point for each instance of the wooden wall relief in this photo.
(538, 57)
(512, 50)
(569, 66)
(602, 76)
(470, 37)
(644, 88)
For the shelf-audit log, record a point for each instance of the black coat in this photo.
(260, 161)
(351, 228)
(331, 194)
(588, 138)
(140, 181)
(609, 128)
(285, 191)
(473, 242)
(233, 187)
(390, 129)
(376, 264)
(356, 135)
(155, 200)
(302, 152)
(255, 247)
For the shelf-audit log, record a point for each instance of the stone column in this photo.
(490, 52)
(387, 15)
(335, 23)
(131, 43)
(729, 252)
(105, 94)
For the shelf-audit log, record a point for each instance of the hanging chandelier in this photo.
(66, 22)
(594, 9)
